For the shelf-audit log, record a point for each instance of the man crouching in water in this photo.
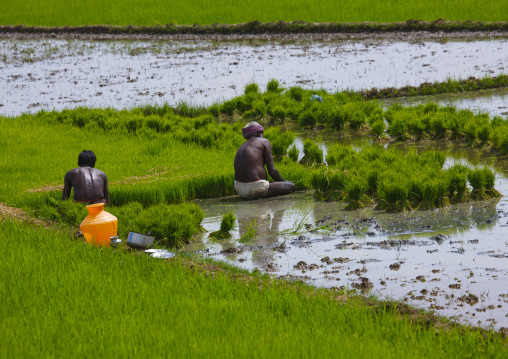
(250, 161)
(90, 184)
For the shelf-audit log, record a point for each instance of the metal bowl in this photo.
(139, 240)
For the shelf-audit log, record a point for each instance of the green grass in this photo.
(61, 298)
(143, 12)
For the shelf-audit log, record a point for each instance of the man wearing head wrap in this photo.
(250, 161)
(90, 184)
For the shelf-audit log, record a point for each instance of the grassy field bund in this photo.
(152, 13)
(60, 298)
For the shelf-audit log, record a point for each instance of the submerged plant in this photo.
(251, 231)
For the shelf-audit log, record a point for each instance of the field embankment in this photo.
(73, 300)
(152, 13)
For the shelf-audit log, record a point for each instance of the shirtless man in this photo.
(250, 161)
(90, 184)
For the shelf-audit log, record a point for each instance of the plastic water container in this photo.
(99, 226)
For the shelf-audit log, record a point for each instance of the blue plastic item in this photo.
(316, 98)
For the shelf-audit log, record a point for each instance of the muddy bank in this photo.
(280, 27)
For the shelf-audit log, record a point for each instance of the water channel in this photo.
(51, 73)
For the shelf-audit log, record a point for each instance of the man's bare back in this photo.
(250, 161)
(90, 184)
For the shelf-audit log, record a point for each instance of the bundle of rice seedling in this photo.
(458, 192)
(293, 153)
(489, 181)
(280, 141)
(355, 195)
(393, 196)
(477, 179)
(337, 152)
(429, 190)
(227, 224)
(312, 154)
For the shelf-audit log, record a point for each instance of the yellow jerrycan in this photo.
(99, 225)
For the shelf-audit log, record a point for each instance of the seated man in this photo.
(250, 161)
(90, 184)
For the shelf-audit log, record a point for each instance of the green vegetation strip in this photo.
(398, 181)
(206, 12)
(61, 298)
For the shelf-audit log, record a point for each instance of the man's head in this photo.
(252, 129)
(86, 158)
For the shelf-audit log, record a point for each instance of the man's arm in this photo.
(270, 167)
(67, 186)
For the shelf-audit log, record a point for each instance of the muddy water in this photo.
(452, 260)
(40, 74)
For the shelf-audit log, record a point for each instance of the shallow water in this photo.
(40, 74)
(462, 274)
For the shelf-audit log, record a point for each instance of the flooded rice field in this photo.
(452, 260)
(50, 74)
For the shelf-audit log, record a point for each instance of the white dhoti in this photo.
(256, 189)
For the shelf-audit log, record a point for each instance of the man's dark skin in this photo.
(250, 161)
(90, 184)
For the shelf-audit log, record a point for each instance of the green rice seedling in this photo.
(430, 107)
(273, 86)
(214, 110)
(295, 93)
(307, 119)
(398, 128)
(337, 119)
(184, 109)
(498, 121)
(430, 193)
(172, 225)
(477, 180)
(357, 119)
(484, 135)
(278, 115)
(458, 191)
(312, 154)
(68, 211)
(442, 185)
(393, 196)
(293, 153)
(356, 194)
(259, 108)
(373, 178)
(377, 129)
(251, 88)
(280, 141)
(435, 159)
(251, 231)
(228, 107)
(489, 179)
(337, 152)
(227, 224)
